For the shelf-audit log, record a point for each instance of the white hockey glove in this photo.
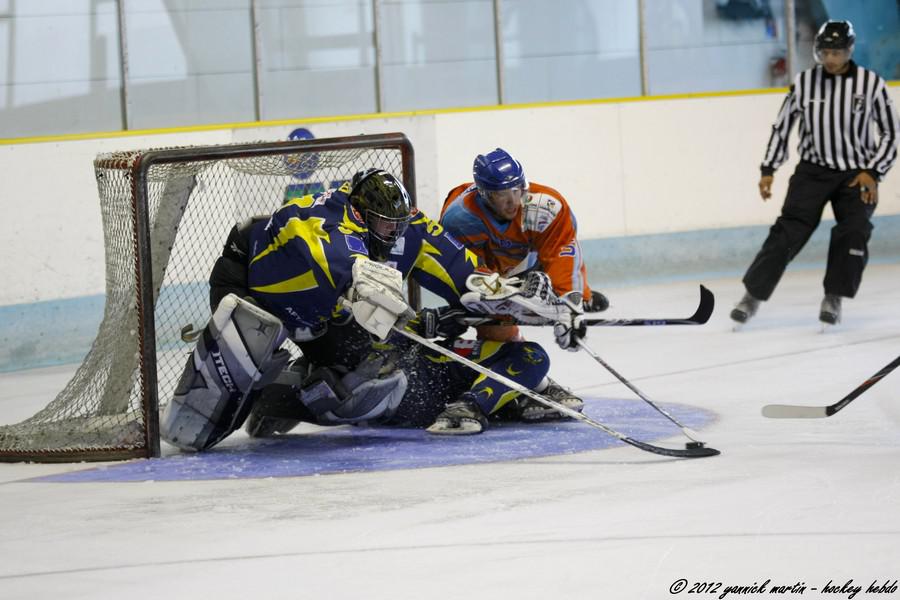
(489, 294)
(568, 330)
(568, 334)
(530, 301)
(492, 286)
(376, 297)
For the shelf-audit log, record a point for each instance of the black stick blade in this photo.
(677, 452)
(701, 315)
(707, 304)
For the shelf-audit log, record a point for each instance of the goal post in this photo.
(166, 214)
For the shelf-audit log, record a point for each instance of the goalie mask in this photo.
(385, 206)
(501, 182)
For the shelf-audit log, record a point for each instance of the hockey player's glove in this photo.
(568, 334)
(443, 322)
(376, 297)
(529, 301)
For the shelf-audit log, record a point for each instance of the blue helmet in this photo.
(497, 170)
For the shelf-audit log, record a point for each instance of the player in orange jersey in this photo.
(516, 227)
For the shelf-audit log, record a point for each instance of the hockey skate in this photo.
(263, 427)
(830, 311)
(532, 411)
(463, 417)
(744, 310)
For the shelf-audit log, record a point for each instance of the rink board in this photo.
(349, 449)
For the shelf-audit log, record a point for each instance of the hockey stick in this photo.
(700, 316)
(689, 433)
(689, 452)
(790, 411)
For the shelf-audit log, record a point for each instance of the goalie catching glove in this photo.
(376, 298)
(529, 301)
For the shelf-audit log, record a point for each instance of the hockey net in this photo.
(166, 214)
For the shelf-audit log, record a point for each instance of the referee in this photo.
(841, 161)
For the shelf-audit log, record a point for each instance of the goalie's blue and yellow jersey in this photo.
(301, 259)
(433, 258)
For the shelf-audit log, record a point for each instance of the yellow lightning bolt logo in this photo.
(425, 261)
(301, 283)
(472, 258)
(531, 356)
(309, 230)
(303, 201)
(348, 226)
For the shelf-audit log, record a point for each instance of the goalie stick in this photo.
(791, 411)
(700, 316)
(693, 450)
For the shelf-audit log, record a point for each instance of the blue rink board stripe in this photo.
(350, 449)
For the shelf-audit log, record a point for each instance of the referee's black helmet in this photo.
(837, 35)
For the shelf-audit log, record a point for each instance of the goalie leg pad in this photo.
(236, 354)
(328, 396)
(371, 392)
(376, 400)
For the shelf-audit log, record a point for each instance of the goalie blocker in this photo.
(237, 353)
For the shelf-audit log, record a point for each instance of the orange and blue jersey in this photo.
(542, 235)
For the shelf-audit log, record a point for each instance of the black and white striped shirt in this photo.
(836, 114)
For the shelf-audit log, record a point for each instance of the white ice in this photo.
(790, 501)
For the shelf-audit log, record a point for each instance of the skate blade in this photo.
(736, 326)
(537, 415)
(466, 427)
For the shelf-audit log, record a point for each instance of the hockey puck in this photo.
(692, 445)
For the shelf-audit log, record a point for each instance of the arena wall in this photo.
(662, 188)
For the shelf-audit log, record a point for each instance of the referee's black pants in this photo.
(810, 188)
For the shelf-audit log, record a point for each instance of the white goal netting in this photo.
(166, 215)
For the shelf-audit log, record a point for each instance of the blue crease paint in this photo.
(349, 449)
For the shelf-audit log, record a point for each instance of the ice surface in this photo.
(791, 501)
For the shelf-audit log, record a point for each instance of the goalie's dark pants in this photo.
(811, 188)
(433, 379)
(229, 273)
